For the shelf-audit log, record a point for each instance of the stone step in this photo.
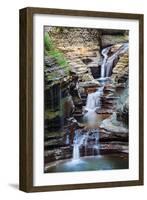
(109, 91)
(82, 71)
(110, 98)
(104, 111)
(78, 115)
(108, 102)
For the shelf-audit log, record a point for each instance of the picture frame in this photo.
(27, 98)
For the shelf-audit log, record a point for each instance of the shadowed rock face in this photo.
(113, 37)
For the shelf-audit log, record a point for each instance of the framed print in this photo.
(81, 99)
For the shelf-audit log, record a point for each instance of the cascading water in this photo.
(76, 150)
(93, 99)
(76, 153)
(91, 141)
(105, 55)
(93, 103)
(107, 65)
(79, 139)
(97, 146)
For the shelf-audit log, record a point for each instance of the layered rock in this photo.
(81, 47)
(112, 37)
(121, 70)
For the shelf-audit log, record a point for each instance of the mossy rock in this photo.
(51, 114)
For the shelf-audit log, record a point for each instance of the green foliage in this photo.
(51, 114)
(48, 42)
(55, 53)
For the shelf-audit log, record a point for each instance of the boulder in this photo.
(111, 124)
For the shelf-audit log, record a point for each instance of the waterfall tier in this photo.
(108, 61)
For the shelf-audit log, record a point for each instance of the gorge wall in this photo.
(67, 88)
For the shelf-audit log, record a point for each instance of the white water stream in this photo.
(108, 62)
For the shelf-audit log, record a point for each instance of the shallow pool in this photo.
(90, 163)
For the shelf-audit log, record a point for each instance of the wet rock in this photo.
(53, 124)
(90, 89)
(113, 125)
(96, 71)
(108, 40)
(89, 84)
(73, 122)
(86, 77)
(74, 91)
(121, 70)
(113, 32)
(106, 136)
(114, 147)
(123, 113)
(57, 154)
(120, 86)
(104, 111)
(68, 106)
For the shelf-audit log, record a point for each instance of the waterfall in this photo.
(82, 139)
(108, 62)
(85, 144)
(93, 99)
(105, 55)
(79, 139)
(92, 135)
(76, 150)
(97, 146)
(93, 103)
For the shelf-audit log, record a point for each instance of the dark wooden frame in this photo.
(26, 99)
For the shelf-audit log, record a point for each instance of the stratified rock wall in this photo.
(112, 37)
(81, 46)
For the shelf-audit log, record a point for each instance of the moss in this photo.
(60, 59)
(54, 53)
(51, 114)
(48, 42)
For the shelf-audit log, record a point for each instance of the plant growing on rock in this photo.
(54, 53)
